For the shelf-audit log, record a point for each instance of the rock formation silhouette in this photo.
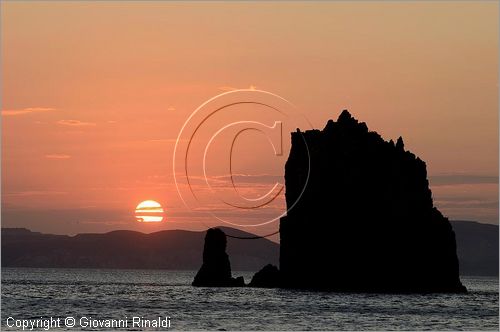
(366, 219)
(216, 268)
(267, 277)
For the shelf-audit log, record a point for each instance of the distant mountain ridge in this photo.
(170, 249)
(477, 247)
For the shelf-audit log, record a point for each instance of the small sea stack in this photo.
(216, 268)
(267, 277)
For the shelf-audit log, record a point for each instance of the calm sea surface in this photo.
(100, 295)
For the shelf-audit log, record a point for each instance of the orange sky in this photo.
(95, 94)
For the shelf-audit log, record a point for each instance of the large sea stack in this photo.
(365, 220)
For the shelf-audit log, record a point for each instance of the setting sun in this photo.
(149, 211)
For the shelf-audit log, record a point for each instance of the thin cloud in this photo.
(75, 123)
(467, 204)
(27, 110)
(171, 108)
(227, 88)
(166, 140)
(104, 222)
(230, 88)
(57, 156)
(460, 179)
(34, 193)
(162, 140)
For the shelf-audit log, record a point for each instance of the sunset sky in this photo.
(94, 95)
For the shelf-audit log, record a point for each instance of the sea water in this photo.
(92, 299)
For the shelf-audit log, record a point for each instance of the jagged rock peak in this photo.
(346, 121)
(345, 116)
(400, 145)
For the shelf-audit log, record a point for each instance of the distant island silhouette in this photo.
(477, 247)
(365, 221)
(169, 249)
